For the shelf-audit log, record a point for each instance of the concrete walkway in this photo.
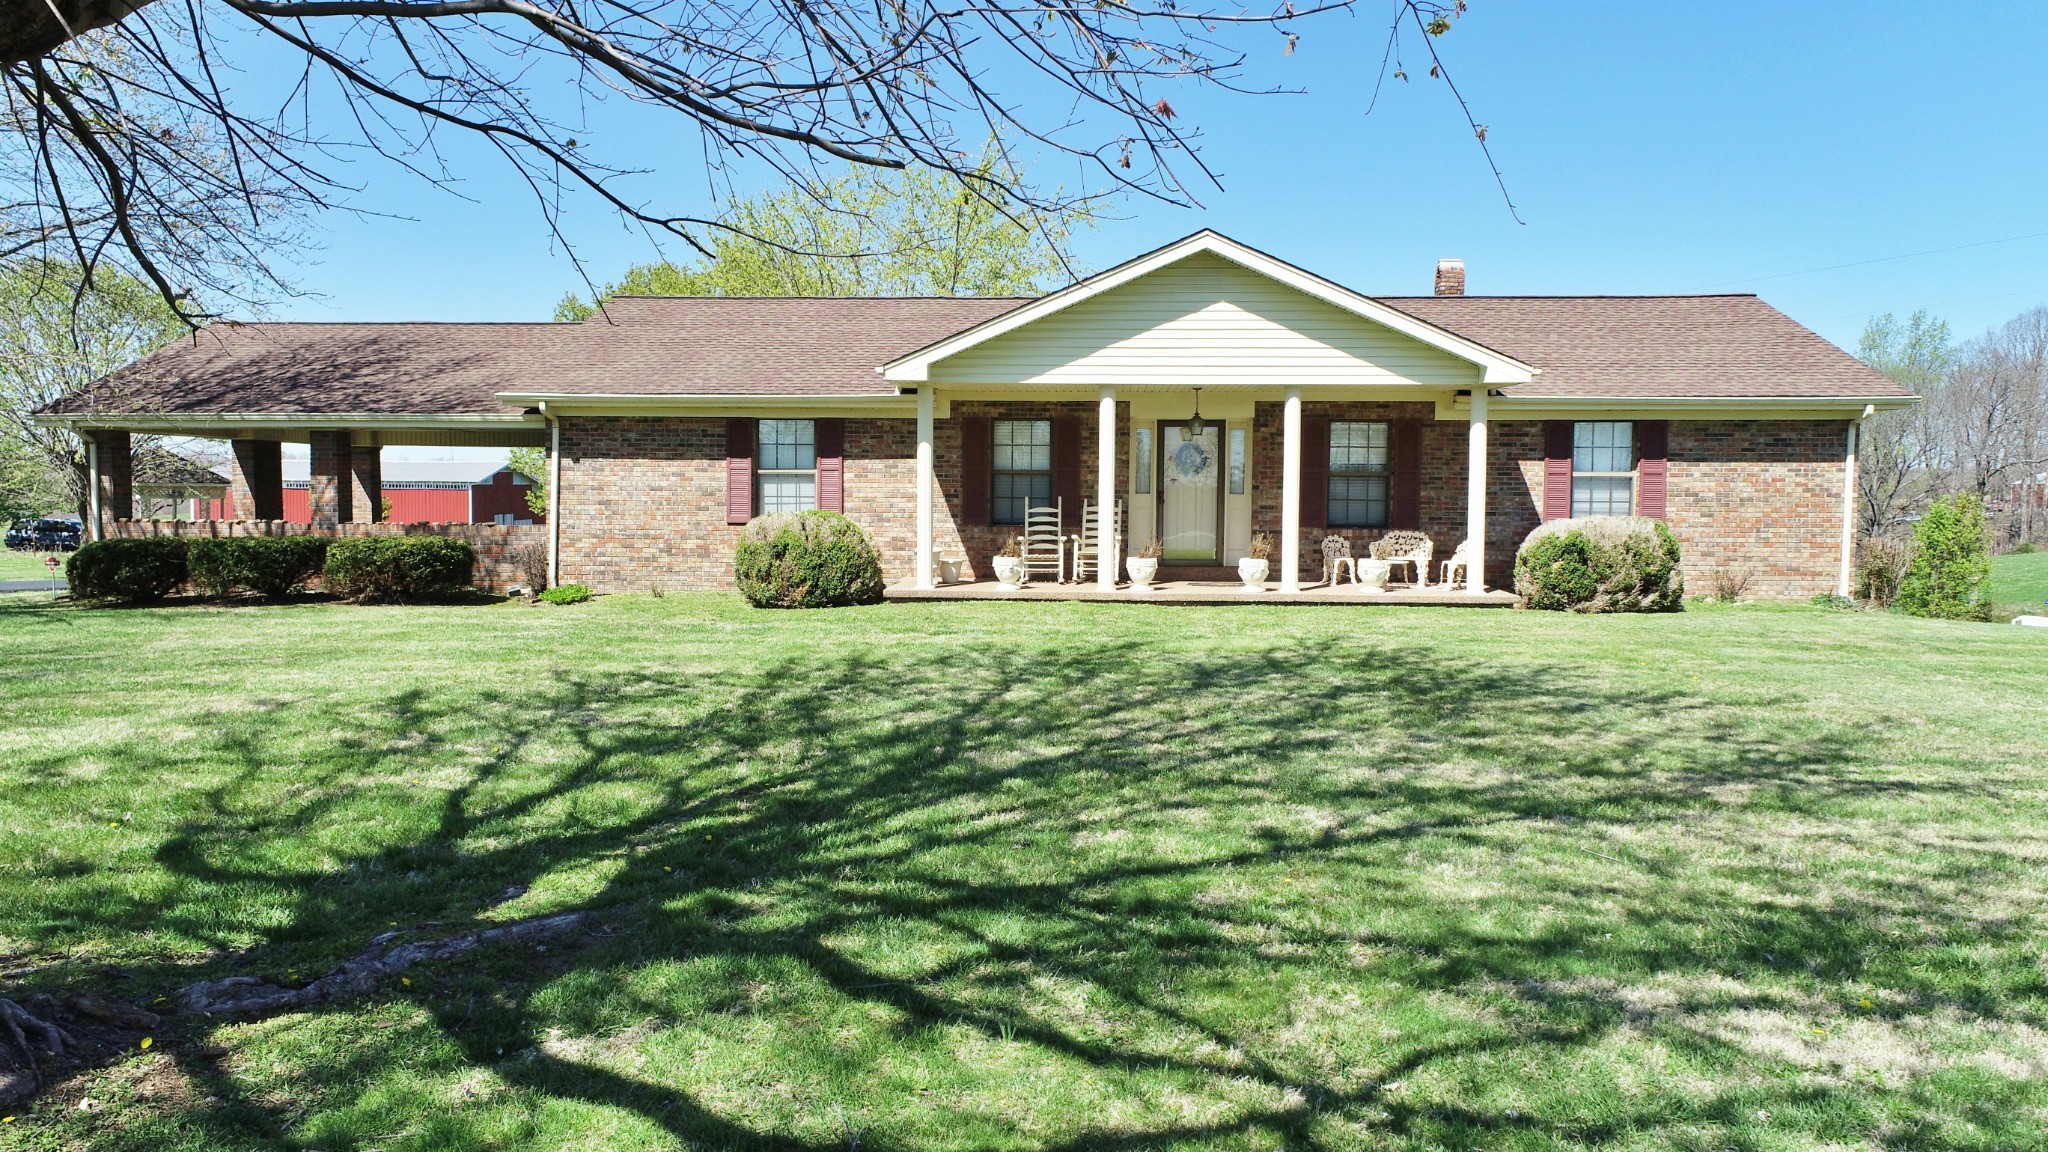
(1208, 592)
(33, 586)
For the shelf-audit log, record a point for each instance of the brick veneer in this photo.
(498, 565)
(643, 498)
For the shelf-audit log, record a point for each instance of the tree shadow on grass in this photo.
(1073, 899)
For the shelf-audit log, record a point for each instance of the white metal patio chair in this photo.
(1043, 548)
(1337, 558)
(1087, 543)
(1410, 548)
(1460, 562)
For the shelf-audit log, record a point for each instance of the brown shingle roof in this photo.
(1627, 347)
(1653, 347)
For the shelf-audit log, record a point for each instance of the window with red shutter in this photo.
(1653, 467)
(739, 471)
(1557, 470)
(974, 469)
(1406, 510)
(831, 440)
(1315, 473)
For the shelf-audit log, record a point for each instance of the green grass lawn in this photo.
(1044, 876)
(27, 565)
(2020, 579)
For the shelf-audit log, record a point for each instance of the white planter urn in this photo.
(1143, 569)
(1253, 572)
(948, 571)
(1372, 575)
(1010, 571)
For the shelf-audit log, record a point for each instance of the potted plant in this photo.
(1372, 574)
(1252, 569)
(1144, 566)
(1010, 564)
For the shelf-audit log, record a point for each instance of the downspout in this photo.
(554, 479)
(1843, 584)
(92, 484)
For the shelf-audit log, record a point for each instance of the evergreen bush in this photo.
(270, 565)
(399, 567)
(1600, 564)
(807, 560)
(565, 594)
(1951, 569)
(132, 571)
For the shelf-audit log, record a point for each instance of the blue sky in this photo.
(1650, 148)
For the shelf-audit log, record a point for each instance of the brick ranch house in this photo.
(1237, 394)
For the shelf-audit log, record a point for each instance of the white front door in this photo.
(1190, 492)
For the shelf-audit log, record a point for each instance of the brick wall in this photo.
(644, 497)
(497, 564)
(1762, 497)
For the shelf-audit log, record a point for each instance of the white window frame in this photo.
(1594, 430)
(995, 471)
(762, 443)
(1384, 473)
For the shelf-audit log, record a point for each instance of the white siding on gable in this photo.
(1205, 322)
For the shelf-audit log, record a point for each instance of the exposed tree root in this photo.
(49, 1039)
(360, 975)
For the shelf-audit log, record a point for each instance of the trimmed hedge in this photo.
(271, 565)
(133, 571)
(1600, 564)
(399, 567)
(807, 560)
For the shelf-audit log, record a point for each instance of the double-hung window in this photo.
(786, 466)
(1360, 472)
(1603, 468)
(1021, 471)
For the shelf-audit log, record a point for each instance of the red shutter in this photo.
(739, 471)
(1066, 465)
(1557, 470)
(974, 469)
(1405, 500)
(1315, 473)
(831, 442)
(1653, 467)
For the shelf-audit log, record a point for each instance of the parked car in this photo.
(49, 534)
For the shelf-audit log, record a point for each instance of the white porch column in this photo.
(1107, 560)
(923, 560)
(1475, 493)
(1843, 585)
(554, 471)
(92, 488)
(1290, 493)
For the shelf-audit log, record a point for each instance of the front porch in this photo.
(1207, 588)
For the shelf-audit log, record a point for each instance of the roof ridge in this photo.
(1581, 296)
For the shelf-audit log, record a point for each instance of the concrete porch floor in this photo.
(1209, 592)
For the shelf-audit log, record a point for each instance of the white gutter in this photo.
(641, 403)
(293, 420)
(1843, 584)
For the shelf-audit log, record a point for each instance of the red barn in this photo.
(440, 491)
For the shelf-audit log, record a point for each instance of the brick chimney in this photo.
(1450, 277)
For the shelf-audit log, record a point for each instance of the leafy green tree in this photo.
(868, 233)
(56, 339)
(532, 463)
(1952, 569)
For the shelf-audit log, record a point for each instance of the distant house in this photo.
(172, 487)
(438, 491)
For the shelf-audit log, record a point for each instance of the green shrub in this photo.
(1600, 564)
(134, 571)
(399, 567)
(565, 594)
(1880, 566)
(807, 560)
(1830, 600)
(2026, 548)
(1950, 572)
(271, 565)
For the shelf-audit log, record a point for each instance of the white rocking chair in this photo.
(1042, 546)
(1460, 561)
(1087, 543)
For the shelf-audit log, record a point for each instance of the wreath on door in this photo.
(1191, 458)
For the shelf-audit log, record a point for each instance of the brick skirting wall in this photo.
(643, 498)
(497, 545)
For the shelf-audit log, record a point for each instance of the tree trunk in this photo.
(33, 28)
